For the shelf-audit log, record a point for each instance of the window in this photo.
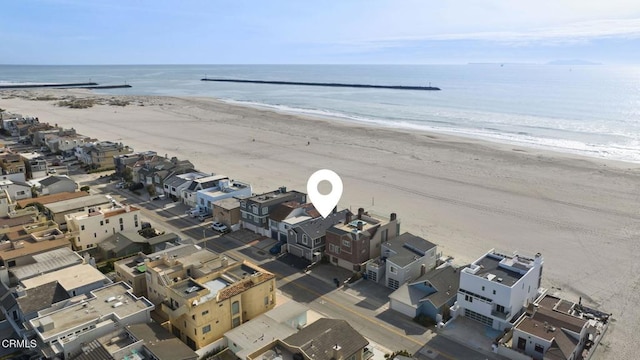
(393, 270)
(206, 329)
(468, 298)
(235, 307)
(266, 300)
(483, 288)
(255, 209)
(346, 243)
(81, 227)
(121, 227)
(121, 221)
(106, 221)
(500, 308)
(243, 204)
(317, 241)
(305, 240)
(539, 348)
(236, 322)
(101, 223)
(20, 192)
(95, 235)
(205, 312)
(244, 215)
(494, 292)
(135, 217)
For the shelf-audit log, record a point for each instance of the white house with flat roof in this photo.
(62, 332)
(497, 288)
(95, 224)
(223, 190)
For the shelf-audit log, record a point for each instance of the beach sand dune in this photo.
(467, 196)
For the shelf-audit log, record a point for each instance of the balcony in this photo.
(504, 315)
(172, 311)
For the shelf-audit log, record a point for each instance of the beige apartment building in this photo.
(95, 224)
(201, 294)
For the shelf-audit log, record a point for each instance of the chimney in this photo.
(360, 212)
(224, 261)
(392, 217)
(360, 225)
(347, 218)
(337, 352)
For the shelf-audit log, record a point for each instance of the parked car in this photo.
(220, 227)
(276, 249)
(120, 185)
(204, 216)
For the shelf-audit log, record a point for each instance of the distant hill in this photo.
(572, 62)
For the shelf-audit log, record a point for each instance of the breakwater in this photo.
(365, 86)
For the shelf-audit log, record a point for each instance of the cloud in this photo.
(574, 33)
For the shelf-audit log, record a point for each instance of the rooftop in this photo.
(160, 342)
(48, 199)
(445, 281)
(77, 203)
(28, 246)
(227, 204)
(46, 262)
(41, 297)
(318, 339)
(276, 196)
(69, 278)
(259, 332)
(407, 248)
(115, 299)
(316, 228)
(504, 269)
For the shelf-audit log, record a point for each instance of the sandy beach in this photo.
(468, 196)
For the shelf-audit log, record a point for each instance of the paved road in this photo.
(366, 312)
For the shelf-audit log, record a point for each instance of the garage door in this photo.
(295, 250)
(402, 308)
(478, 317)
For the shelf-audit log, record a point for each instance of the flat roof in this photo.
(47, 261)
(69, 278)
(491, 266)
(78, 203)
(228, 203)
(96, 310)
(30, 247)
(260, 331)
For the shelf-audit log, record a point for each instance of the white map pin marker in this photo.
(324, 203)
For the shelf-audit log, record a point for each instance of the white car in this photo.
(220, 227)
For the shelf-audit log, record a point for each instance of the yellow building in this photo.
(201, 294)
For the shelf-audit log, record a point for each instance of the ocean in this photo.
(587, 110)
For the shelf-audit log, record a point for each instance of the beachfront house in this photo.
(307, 239)
(99, 154)
(54, 184)
(174, 184)
(224, 189)
(227, 211)
(279, 218)
(122, 161)
(189, 194)
(497, 288)
(402, 259)
(154, 174)
(35, 165)
(430, 295)
(255, 210)
(95, 224)
(352, 243)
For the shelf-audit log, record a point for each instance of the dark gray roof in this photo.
(318, 339)
(445, 281)
(93, 351)
(278, 197)
(317, 228)
(407, 248)
(50, 180)
(41, 297)
(161, 343)
(491, 265)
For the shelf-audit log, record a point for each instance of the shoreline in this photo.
(465, 195)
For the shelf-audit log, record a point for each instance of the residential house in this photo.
(40, 292)
(12, 163)
(128, 243)
(227, 211)
(59, 209)
(307, 238)
(174, 184)
(324, 339)
(53, 198)
(279, 323)
(189, 194)
(99, 155)
(402, 259)
(16, 190)
(54, 184)
(12, 124)
(19, 243)
(64, 142)
(38, 263)
(224, 189)
(496, 288)
(431, 294)
(123, 161)
(555, 329)
(353, 243)
(63, 332)
(278, 217)
(154, 174)
(137, 341)
(35, 165)
(255, 210)
(95, 224)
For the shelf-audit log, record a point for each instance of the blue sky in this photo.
(317, 32)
